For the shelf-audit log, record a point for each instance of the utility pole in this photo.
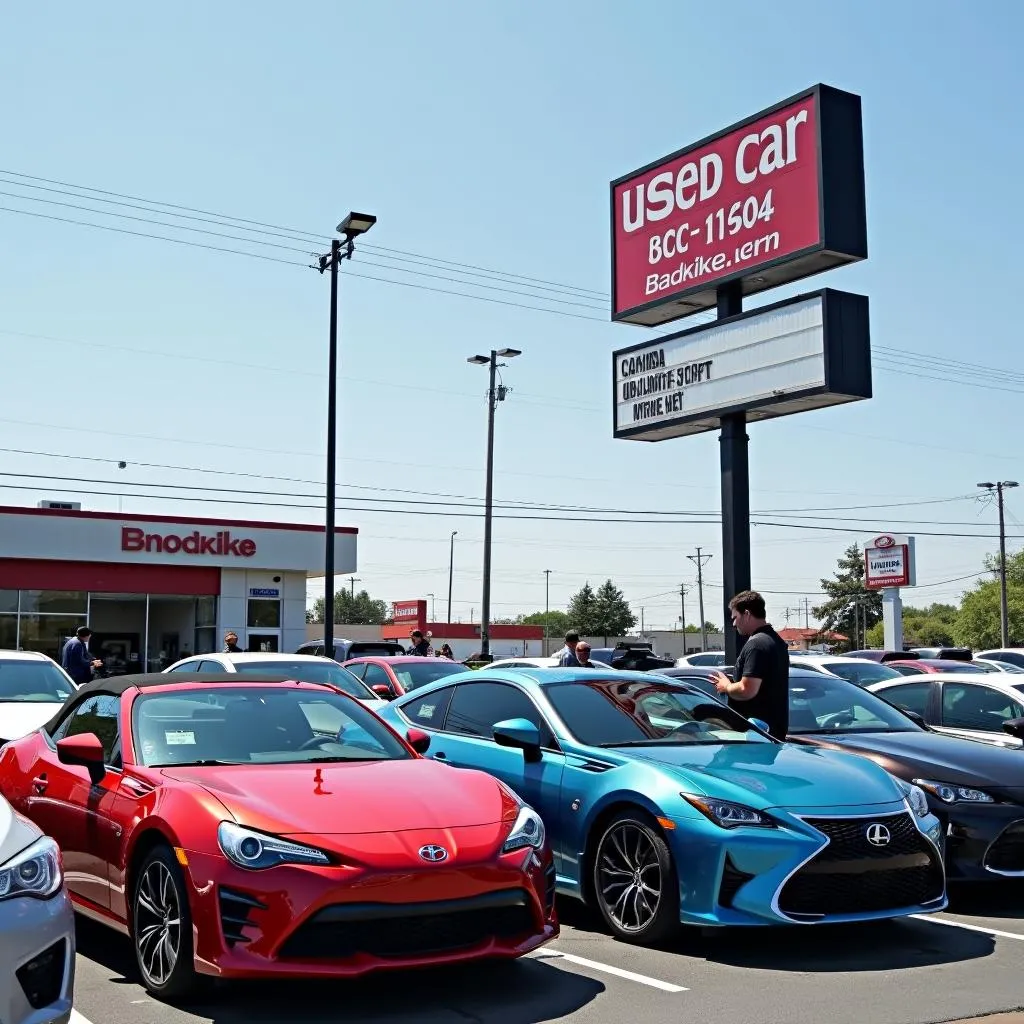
(352, 581)
(1004, 613)
(451, 573)
(641, 623)
(788, 612)
(700, 559)
(547, 606)
(682, 613)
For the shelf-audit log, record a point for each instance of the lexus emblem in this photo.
(436, 854)
(877, 835)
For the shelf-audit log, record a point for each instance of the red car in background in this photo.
(255, 829)
(391, 677)
(927, 666)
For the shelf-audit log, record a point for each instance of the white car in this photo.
(32, 688)
(964, 704)
(860, 671)
(523, 663)
(1013, 655)
(706, 659)
(306, 668)
(999, 666)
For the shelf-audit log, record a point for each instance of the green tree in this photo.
(978, 624)
(582, 614)
(358, 609)
(614, 615)
(555, 622)
(847, 598)
(922, 627)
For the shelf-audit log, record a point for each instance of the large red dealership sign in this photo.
(194, 543)
(775, 198)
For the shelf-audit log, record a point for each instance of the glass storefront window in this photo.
(47, 633)
(264, 613)
(206, 640)
(8, 601)
(54, 602)
(8, 632)
(206, 612)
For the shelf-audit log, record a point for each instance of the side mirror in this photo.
(418, 740)
(760, 723)
(916, 718)
(520, 733)
(383, 691)
(85, 750)
(1015, 727)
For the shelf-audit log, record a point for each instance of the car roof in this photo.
(546, 676)
(1000, 680)
(689, 670)
(398, 659)
(932, 662)
(822, 659)
(24, 656)
(245, 656)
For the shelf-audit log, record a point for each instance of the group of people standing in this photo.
(421, 647)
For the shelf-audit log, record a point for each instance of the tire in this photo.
(634, 883)
(161, 929)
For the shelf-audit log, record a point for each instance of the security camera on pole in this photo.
(889, 564)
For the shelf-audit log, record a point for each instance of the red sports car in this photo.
(252, 829)
(391, 677)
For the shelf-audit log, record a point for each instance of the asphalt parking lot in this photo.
(962, 964)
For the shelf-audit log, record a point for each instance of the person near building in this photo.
(446, 652)
(567, 655)
(76, 659)
(420, 645)
(231, 643)
(761, 686)
(583, 655)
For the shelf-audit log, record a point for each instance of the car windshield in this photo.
(413, 674)
(629, 713)
(308, 672)
(818, 704)
(32, 682)
(861, 673)
(258, 725)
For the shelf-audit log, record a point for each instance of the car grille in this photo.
(391, 930)
(549, 889)
(1007, 852)
(732, 880)
(851, 875)
(235, 908)
(43, 976)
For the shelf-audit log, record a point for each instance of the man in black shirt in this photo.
(761, 687)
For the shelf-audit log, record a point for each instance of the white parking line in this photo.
(77, 1018)
(968, 927)
(641, 979)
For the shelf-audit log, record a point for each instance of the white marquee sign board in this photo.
(889, 562)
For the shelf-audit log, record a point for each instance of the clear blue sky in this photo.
(487, 133)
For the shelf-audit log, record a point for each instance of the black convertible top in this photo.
(116, 685)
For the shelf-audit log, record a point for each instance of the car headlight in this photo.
(528, 831)
(726, 814)
(36, 871)
(257, 850)
(915, 797)
(949, 793)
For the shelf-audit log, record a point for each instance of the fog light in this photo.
(43, 976)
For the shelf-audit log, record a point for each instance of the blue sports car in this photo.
(665, 807)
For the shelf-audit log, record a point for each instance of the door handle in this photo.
(40, 783)
(440, 756)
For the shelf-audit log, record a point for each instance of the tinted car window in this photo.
(477, 707)
(818, 704)
(374, 675)
(374, 650)
(907, 670)
(33, 682)
(912, 696)
(413, 674)
(977, 707)
(429, 710)
(861, 674)
(188, 666)
(307, 672)
(97, 715)
(211, 666)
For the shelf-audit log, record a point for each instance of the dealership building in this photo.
(154, 589)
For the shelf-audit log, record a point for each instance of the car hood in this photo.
(775, 774)
(19, 718)
(931, 755)
(16, 832)
(350, 799)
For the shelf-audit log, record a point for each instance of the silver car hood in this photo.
(16, 832)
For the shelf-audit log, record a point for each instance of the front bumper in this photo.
(344, 920)
(37, 960)
(981, 841)
(798, 874)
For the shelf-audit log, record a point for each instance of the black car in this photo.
(345, 650)
(631, 657)
(703, 677)
(975, 789)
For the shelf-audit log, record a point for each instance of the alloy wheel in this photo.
(157, 923)
(629, 876)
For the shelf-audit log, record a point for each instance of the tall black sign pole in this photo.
(735, 490)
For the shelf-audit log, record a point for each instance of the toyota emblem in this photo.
(877, 835)
(436, 854)
(885, 541)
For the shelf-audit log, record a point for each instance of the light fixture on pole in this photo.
(451, 572)
(350, 228)
(1004, 612)
(494, 395)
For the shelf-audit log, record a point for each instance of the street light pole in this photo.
(547, 606)
(494, 395)
(1004, 611)
(433, 616)
(451, 573)
(353, 225)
